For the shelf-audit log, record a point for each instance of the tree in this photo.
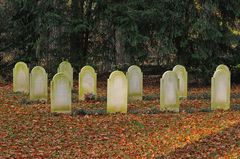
(115, 34)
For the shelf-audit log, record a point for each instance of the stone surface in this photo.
(61, 94)
(38, 84)
(87, 82)
(220, 89)
(169, 92)
(135, 83)
(223, 67)
(183, 80)
(117, 93)
(66, 68)
(21, 78)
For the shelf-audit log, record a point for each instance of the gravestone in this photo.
(220, 90)
(66, 68)
(169, 92)
(38, 84)
(117, 94)
(87, 82)
(223, 67)
(183, 80)
(61, 94)
(21, 78)
(135, 83)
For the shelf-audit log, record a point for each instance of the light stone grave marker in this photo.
(183, 80)
(135, 83)
(61, 94)
(169, 92)
(66, 68)
(21, 78)
(223, 67)
(117, 93)
(87, 82)
(220, 89)
(38, 84)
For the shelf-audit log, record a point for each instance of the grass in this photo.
(144, 132)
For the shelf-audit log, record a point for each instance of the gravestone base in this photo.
(135, 98)
(38, 99)
(61, 110)
(111, 109)
(220, 106)
(170, 108)
(182, 97)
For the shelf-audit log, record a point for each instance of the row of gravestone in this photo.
(37, 84)
(120, 88)
(173, 86)
(61, 85)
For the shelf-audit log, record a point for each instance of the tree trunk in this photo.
(54, 48)
(76, 37)
(119, 47)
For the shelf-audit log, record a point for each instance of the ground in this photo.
(29, 130)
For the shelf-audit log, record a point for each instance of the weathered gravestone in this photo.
(117, 94)
(38, 84)
(223, 67)
(183, 80)
(66, 68)
(135, 83)
(61, 94)
(87, 83)
(220, 89)
(169, 92)
(21, 78)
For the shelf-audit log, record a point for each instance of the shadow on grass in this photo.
(151, 110)
(235, 107)
(212, 146)
(207, 96)
(200, 96)
(151, 97)
(76, 112)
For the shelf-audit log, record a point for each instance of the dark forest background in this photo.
(114, 34)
